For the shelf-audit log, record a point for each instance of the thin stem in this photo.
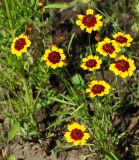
(116, 84)
(29, 99)
(107, 16)
(89, 41)
(13, 6)
(43, 26)
(8, 14)
(102, 73)
(130, 89)
(38, 94)
(11, 31)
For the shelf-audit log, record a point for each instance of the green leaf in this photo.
(28, 62)
(30, 58)
(11, 157)
(58, 122)
(13, 131)
(77, 80)
(57, 5)
(62, 101)
(70, 42)
(32, 2)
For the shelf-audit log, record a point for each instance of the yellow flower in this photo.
(108, 47)
(91, 63)
(89, 21)
(54, 57)
(98, 88)
(123, 67)
(76, 134)
(20, 44)
(123, 39)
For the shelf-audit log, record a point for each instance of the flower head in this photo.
(91, 63)
(76, 134)
(20, 44)
(108, 47)
(123, 67)
(89, 21)
(41, 3)
(54, 57)
(98, 88)
(123, 39)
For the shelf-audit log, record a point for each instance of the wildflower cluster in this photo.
(54, 57)
(123, 66)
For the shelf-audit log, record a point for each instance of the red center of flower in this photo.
(108, 48)
(20, 43)
(54, 57)
(91, 63)
(122, 65)
(76, 134)
(97, 88)
(89, 20)
(121, 39)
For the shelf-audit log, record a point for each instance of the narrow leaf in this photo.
(70, 42)
(57, 5)
(13, 131)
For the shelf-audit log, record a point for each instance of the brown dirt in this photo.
(33, 151)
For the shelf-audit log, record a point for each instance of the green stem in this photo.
(116, 85)
(43, 26)
(38, 94)
(29, 99)
(13, 6)
(89, 41)
(129, 88)
(8, 14)
(102, 73)
(109, 17)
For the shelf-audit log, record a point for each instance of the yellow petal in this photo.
(60, 50)
(89, 30)
(98, 16)
(79, 22)
(47, 51)
(54, 48)
(63, 56)
(82, 142)
(76, 142)
(83, 66)
(92, 95)
(86, 136)
(84, 59)
(82, 128)
(88, 90)
(60, 64)
(124, 74)
(68, 137)
(80, 16)
(89, 11)
(82, 26)
(54, 66)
